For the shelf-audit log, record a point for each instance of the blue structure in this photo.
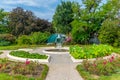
(58, 39)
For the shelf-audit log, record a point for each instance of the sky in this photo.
(43, 9)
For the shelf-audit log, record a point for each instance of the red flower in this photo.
(27, 62)
(94, 65)
(112, 57)
(105, 62)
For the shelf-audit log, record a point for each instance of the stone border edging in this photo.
(24, 59)
(55, 52)
(81, 60)
(50, 52)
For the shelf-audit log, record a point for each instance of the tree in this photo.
(42, 26)
(24, 22)
(3, 21)
(90, 18)
(21, 22)
(63, 17)
(109, 32)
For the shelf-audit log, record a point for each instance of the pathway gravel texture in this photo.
(61, 66)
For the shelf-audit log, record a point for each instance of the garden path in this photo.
(61, 66)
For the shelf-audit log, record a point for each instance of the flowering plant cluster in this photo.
(102, 66)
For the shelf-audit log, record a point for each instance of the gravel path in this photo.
(61, 66)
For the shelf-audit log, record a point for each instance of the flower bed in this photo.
(22, 71)
(100, 69)
(93, 51)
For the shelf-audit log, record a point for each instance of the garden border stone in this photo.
(67, 48)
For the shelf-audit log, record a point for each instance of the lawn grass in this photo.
(87, 76)
(25, 54)
(14, 47)
(1, 53)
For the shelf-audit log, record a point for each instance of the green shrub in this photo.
(25, 54)
(1, 53)
(102, 67)
(38, 37)
(92, 52)
(4, 43)
(6, 39)
(109, 32)
(24, 39)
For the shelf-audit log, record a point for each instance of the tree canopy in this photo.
(23, 22)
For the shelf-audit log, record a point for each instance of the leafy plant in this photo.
(25, 54)
(93, 51)
(100, 69)
(1, 53)
(101, 66)
(39, 37)
(109, 32)
(24, 39)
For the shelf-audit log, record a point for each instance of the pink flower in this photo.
(105, 62)
(27, 62)
(110, 60)
(94, 65)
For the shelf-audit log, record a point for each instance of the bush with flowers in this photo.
(99, 67)
(29, 70)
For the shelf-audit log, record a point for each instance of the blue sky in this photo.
(41, 8)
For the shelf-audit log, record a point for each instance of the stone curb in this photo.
(55, 52)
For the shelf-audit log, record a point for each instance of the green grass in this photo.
(25, 54)
(87, 76)
(1, 53)
(44, 73)
(14, 47)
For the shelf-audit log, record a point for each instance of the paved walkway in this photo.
(61, 67)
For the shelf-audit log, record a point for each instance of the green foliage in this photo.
(38, 37)
(7, 37)
(24, 54)
(92, 52)
(4, 43)
(109, 32)
(23, 22)
(1, 53)
(3, 21)
(79, 33)
(63, 17)
(19, 71)
(100, 67)
(88, 20)
(24, 39)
